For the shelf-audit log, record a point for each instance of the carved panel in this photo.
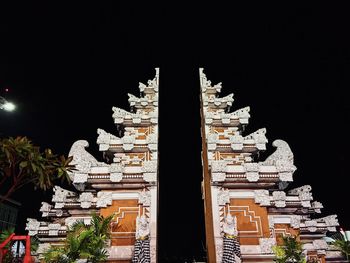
(284, 230)
(124, 221)
(252, 220)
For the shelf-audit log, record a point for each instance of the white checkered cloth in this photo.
(231, 249)
(142, 251)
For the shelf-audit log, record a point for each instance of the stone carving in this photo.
(237, 142)
(223, 197)
(218, 166)
(230, 225)
(145, 198)
(300, 190)
(128, 142)
(311, 225)
(279, 197)
(104, 139)
(32, 226)
(83, 161)
(271, 221)
(283, 159)
(295, 221)
(320, 244)
(45, 209)
(317, 206)
(152, 138)
(282, 153)
(80, 178)
(227, 99)
(266, 245)
(242, 113)
(81, 158)
(330, 221)
(304, 193)
(133, 99)
(53, 229)
(150, 166)
(104, 199)
(142, 87)
(142, 227)
(219, 251)
(86, 200)
(252, 171)
(218, 177)
(116, 172)
(150, 177)
(119, 115)
(59, 212)
(60, 196)
(258, 136)
(212, 140)
(262, 197)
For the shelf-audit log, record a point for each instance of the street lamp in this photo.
(6, 105)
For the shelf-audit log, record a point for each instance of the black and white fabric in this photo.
(142, 251)
(231, 248)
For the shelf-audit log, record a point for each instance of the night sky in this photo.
(66, 65)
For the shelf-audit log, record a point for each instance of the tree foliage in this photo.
(290, 251)
(341, 243)
(83, 242)
(23, 163)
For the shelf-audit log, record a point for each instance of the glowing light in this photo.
(9, 106)
(6, 105)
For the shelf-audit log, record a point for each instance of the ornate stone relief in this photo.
(116, 172)
(86, 200)
(150, 177)
(150, 166)
(317, 206)
(282, 153)
(53, 229)
(304, 193)
(242, 113)
(295, 221)
(279, 197)
(223, 197)
(104, 139)
(258, 136)
(60, 196)
(212, 140)
(283, 159)
(142, 227)
(230, 225)
(311, 225)
(45, 209)
(145, 198)
(262, 197)
(252, 171)
(32, 226)
(266, 245)
(320, 244)
(330, 221)
(104, 199)
(237, 142)
(218, 166)
(128, 142)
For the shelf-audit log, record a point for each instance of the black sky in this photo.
(67, 65)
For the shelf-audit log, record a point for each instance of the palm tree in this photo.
(341, 242)
(83, 242)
